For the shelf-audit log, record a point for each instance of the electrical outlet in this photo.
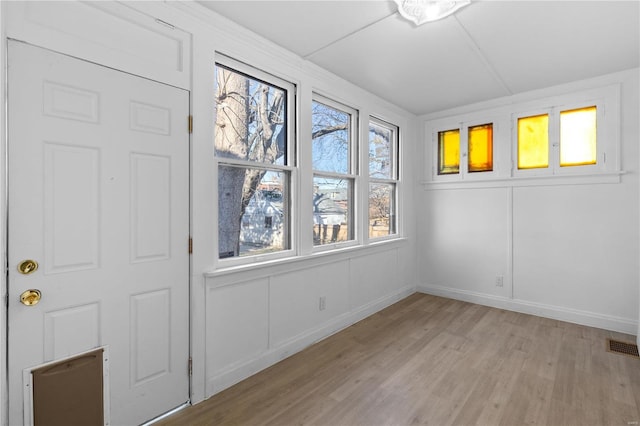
(322, 304)
(499, 281)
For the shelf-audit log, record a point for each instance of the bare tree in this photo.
(248, 127)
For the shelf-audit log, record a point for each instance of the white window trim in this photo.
(290, 167)
(352, 174)
(554, 169)
(462, 123)
(504, 118)
(394, 180)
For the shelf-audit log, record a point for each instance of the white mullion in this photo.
(554, 140)
(464, 150)
(253, 165)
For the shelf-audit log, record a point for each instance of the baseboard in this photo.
(591, 319)
(246, 368)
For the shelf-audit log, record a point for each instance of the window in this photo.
(465, 150)
(560, 138)
(578, 137)
(253, 151)
(533, 142)
(383, 177)
(480, 141)
(334, 139)
(449, 152)
(563, 139)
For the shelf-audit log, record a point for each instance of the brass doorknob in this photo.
(27, 267)
(30, 297)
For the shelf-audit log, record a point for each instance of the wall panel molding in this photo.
(239, 371)
(108, 33)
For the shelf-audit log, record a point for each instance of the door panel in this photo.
(98, 196)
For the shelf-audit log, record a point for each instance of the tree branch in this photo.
(328, 130)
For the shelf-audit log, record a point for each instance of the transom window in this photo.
(567, 138)
(560, 138)
(533, 142)
(449, 152)
(480, 142)
(473, 151)
(578, 140)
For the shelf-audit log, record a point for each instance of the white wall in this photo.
(246, 318)
(260, 316)
(255, 316)
(566, 251)
(3, 214)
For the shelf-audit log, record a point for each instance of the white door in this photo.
(98, 197)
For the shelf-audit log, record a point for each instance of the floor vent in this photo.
(616, 346)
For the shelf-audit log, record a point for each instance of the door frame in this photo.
(4, 232)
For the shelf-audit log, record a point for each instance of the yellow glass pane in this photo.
(449, 152)
(533, 142)
(578, 137)
(481, 148)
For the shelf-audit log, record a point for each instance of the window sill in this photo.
(240, 273)
(586, 179)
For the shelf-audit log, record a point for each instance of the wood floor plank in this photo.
(433, 361)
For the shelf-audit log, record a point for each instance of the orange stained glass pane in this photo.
(533, 142)
(449, 152)
(578, 137)
(481, 148)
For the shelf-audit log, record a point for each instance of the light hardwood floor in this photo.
(435, 361)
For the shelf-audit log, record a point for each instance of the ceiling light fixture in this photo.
(421, 11)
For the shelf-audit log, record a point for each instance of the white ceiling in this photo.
(487, 50)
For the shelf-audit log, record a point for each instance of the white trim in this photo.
(576, 316)
(243, 273)
(505, 141)
(393, 180)
(289, 167)
(587, 179)
(4, 373)
(69, 27)
(353, 175)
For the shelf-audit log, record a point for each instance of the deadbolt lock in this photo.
(27, 267)
(30, 297)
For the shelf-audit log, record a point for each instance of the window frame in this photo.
(504, 115)
(462, 124)
(393, 180)
(603, 144)
(352, 175)
(289, 168)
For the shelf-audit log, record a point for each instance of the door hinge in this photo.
(190, 125)
(190, 245)
(190, 362)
